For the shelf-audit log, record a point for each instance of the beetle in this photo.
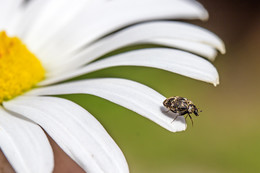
(181, 106)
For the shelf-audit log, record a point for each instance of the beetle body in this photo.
(181, 106)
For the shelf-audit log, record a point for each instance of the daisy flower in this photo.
(44, 43)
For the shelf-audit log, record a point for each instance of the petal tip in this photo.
(204, 16)
(179, 125)
(216, 82)
(180, 130)
(222, 48)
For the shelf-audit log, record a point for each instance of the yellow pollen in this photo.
(20, 70)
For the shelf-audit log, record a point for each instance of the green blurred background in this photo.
(226, 136)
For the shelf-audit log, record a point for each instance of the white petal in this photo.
(132, 95)
(171, 60)
(40, 20)
(53, 17)
(114, 15)
(24, 144)
(7, 10)
(187, 45)
(28, 16)
(173, 34)
(76, 131)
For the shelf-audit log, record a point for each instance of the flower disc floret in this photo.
(20, 70)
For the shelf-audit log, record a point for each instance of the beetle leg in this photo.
(175, 118)
(191, 119)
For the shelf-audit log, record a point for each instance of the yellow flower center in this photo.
(20, 70)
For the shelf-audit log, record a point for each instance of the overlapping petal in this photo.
(168, 33)
(176, 61)
(24, 144)
(187, 45)
(76, 131)
(106, 13)
(132, 95)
